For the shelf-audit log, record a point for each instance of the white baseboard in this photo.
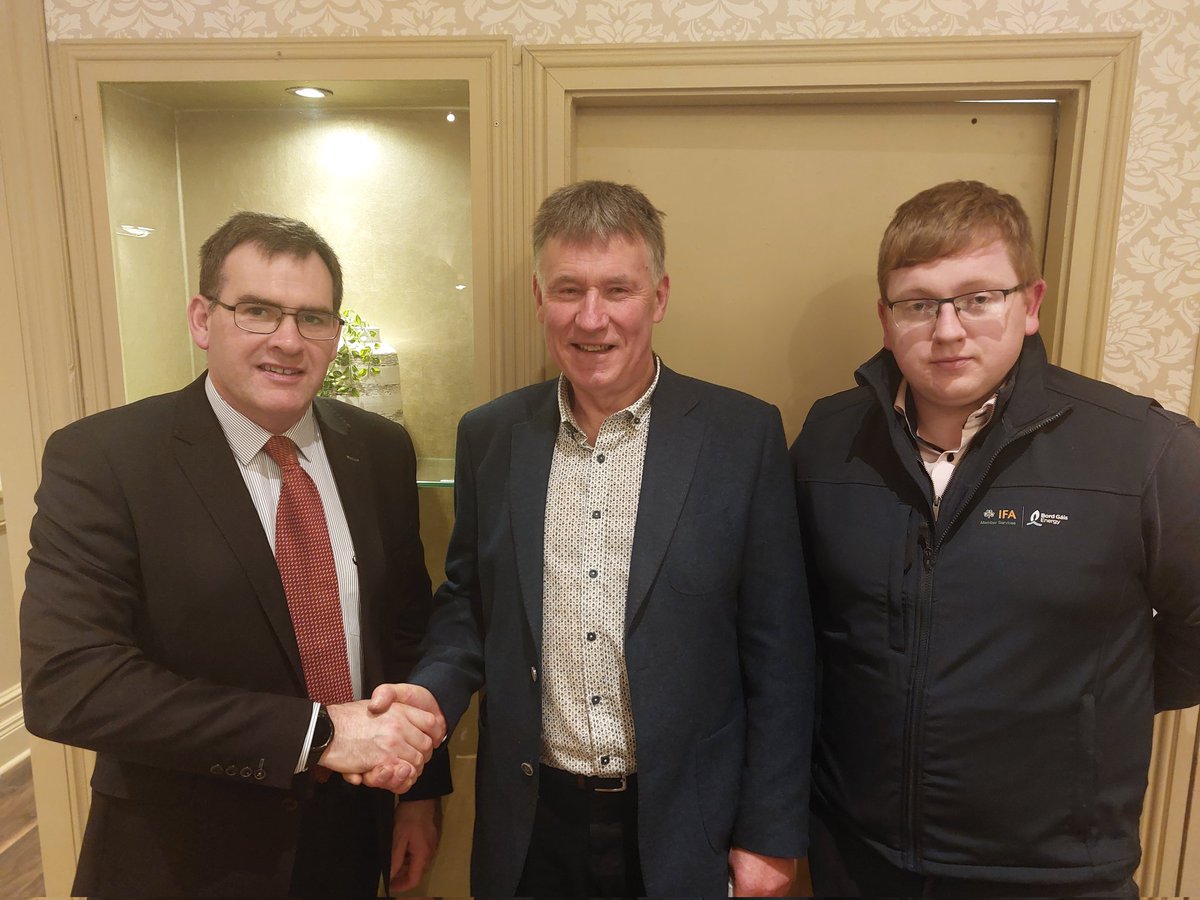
(14, 739)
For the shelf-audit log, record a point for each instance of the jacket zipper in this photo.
(920, 665)
(1029, 429)
(916, 694)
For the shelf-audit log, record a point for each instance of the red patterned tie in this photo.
(305, 559)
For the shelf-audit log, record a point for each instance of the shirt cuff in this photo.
(312, 724)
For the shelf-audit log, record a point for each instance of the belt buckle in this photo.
(614, 790)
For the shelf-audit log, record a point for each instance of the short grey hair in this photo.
(600, 210)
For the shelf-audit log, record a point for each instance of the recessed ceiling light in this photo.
(137, 231)
(460, 287)
(450, 117)
(312, 93)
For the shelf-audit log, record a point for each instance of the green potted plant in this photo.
(355, 359)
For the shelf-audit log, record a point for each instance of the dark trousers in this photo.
(339, 853)
(584, 840)
(844, 866)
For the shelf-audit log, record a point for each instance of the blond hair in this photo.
(951, 218)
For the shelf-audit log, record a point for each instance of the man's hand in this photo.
(416, 706)
(394, 744)
(387, 695)
(416, 827)
(755, 875)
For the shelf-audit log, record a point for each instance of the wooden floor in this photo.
(20, 855)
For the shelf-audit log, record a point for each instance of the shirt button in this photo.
(591, 636)
(527, 770)
(599, 457)
(595, 699)
(592, 573)
(595, 513)
(604, 760)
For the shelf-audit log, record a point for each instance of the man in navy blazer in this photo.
(155, 628)
(625, 585)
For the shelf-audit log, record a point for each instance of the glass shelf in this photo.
(435, 471)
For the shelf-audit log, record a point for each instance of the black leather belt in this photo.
(604, 785)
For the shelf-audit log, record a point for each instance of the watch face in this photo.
(323, 732)
(322, 737)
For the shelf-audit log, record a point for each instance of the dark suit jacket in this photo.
(155, 631)
(718, 640)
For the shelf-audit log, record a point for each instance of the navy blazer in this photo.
(718, 640)
(155, 631)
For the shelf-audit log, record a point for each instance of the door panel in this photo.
(774, 215)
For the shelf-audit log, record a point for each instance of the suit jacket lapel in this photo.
(532, 451)
(209, 465)
(672, 448)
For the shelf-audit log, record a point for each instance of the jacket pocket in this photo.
(1088, 763)
(717, 763)
(906, 553)
(703, 555)
(130, 781)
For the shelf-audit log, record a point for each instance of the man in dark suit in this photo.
(216, 685)
(624, 579)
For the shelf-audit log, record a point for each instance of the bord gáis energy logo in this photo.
(1038, 519)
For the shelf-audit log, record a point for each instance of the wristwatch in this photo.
(321, 739)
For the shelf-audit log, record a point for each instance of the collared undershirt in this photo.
(940, 463)
(264, 480)
(591, 511)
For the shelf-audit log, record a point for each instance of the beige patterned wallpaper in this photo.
(1155, 316)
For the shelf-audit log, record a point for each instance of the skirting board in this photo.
(14, 739)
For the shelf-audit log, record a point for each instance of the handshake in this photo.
(385, 742)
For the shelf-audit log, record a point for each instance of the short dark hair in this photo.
(951, 218)
(599, 210)
(272, 235)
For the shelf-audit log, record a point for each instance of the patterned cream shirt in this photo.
(591, 511)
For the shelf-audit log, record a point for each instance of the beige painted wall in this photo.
(389, 190)
(143, 190)
(1155, 314)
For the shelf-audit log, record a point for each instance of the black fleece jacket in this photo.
(989, 678)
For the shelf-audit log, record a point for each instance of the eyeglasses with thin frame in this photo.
(976, 306)
(264, 318)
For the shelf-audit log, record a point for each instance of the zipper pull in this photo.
(926, 543)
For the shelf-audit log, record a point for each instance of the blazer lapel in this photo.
(209, 465)
(532, 450)
(672, 448)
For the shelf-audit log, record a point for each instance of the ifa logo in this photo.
(1000, 515)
